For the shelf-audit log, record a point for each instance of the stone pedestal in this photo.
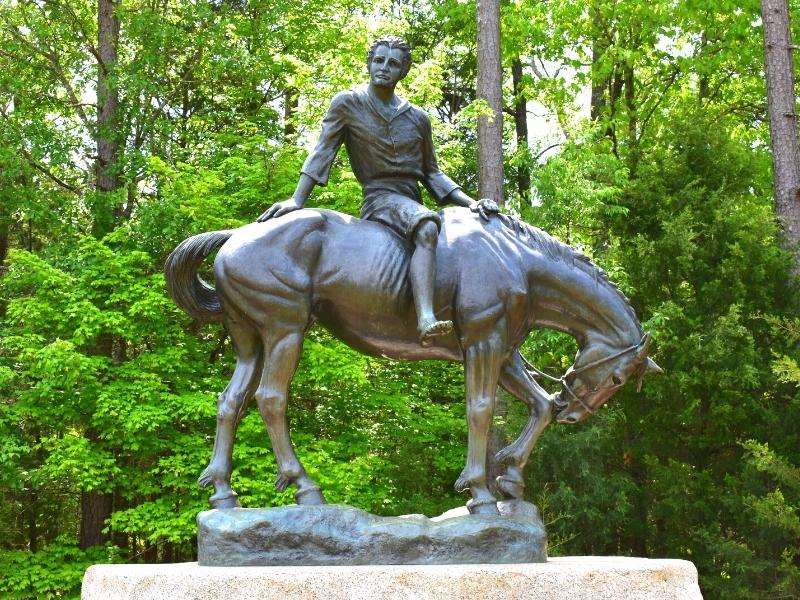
(568, 578)
(338, 535)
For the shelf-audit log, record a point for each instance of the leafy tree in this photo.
(661, 173)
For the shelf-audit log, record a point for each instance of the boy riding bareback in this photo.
(390, 147)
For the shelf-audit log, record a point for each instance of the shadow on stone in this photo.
(343, 535)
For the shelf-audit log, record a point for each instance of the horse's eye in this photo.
(616, 380)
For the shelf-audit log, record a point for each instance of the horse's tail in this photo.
(187, 289)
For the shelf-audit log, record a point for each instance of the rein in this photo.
(563, 379)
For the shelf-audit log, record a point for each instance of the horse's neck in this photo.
(577, 299)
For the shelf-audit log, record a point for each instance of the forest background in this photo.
(126, 127)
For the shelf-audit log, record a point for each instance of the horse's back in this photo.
(338, 255)
(352, 276)
(317, 258)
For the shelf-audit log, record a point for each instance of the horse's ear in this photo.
(650, 366)
(644, 346)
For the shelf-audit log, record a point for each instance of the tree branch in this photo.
(673, 76)
(543, 152)
(54, 66)
(79, 27)
(40, 167)
(45, 171)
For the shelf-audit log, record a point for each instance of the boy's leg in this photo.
(422, 272)
(420, 226)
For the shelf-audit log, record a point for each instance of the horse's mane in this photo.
(556, 250)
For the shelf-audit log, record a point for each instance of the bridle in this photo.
(563, 379)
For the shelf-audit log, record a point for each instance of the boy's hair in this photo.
(392, 42)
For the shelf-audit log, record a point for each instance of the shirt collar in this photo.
(401, 108)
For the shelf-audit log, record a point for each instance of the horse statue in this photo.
(496, 280)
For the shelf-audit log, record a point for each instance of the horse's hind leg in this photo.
(281, 354)
(231, 407)
(516, 380)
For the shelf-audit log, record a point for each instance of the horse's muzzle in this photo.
(572, 414)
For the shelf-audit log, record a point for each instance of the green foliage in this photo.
(107, 389)
(55, 572)
(578, 190)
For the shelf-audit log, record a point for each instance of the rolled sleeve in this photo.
(440, 186)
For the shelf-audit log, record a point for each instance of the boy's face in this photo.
(386, 67)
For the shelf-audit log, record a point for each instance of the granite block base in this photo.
(568, 578)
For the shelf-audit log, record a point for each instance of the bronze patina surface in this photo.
(496, 280)
(467, 284)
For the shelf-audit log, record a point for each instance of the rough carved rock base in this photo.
(342, 535)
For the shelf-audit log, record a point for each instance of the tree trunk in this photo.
(633, 124)
(96, 507)
(33, 528)
(107, 178)
(168, 553)
(489, 88)
(3, 242)
(151, 552)
(95, 510)
(630, 104)
(703, 86)
(615, 92)
(779, 67)
(119, 539)
(521, 126)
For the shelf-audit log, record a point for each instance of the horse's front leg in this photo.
(481, 370)
(516, 380)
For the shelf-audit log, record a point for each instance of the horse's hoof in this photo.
(213, 474)
(205, 479)
(432, 329)
(485, 507)
(225, 500)
(310, 496)
(282, 482)
(462, 484)
(513, 488)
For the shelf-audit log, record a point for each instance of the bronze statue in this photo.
(467, 284)
(496, 280)
(390, 149)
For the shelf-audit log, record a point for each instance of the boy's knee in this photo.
(427, 234)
